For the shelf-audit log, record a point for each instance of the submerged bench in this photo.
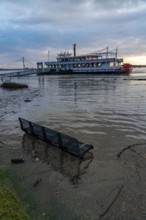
(62, 141)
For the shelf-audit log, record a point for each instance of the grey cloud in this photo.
(67, 13)
(116, 4)
(36, 25)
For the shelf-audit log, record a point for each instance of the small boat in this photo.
(104, 61)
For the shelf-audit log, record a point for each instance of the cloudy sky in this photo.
(34, 29)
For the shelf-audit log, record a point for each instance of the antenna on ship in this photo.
(107, 52)
(107, 55)
(116, 52)
(48, 55)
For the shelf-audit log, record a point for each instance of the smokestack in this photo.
(74, 49)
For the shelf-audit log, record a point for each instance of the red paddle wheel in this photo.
(127, 68)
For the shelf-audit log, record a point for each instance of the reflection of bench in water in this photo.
(66, 164)
(62, 141)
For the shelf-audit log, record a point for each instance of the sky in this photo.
(39, 29)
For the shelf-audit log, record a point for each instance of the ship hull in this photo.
(68, 72)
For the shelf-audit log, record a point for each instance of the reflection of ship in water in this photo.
(61, 161)
(76, 86)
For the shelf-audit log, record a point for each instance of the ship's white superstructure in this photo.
(103, 61)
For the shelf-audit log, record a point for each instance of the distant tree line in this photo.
(138, 66)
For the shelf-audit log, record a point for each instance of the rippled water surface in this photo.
(108, 112)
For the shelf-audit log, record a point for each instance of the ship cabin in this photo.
(67, 61)
(103, 60)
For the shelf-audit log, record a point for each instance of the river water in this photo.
(108, 112)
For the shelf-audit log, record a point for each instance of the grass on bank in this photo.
(10, 206)
(13, 85)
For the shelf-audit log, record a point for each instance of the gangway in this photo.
(20, 73)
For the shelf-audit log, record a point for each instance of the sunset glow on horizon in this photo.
(136, 60)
